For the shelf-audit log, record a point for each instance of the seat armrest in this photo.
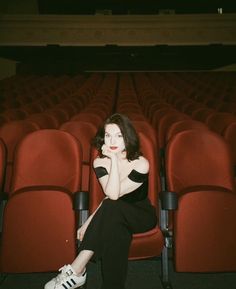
(81, 201)
(81, 207)
(168, 200)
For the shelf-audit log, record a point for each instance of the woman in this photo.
(106, 235)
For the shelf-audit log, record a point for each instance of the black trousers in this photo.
(109, 235)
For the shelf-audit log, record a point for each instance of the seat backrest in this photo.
(3, 119)
(2, 164)
(48, 157)
(44, 120)
(201, 114)
(84, 132)
(61, 114)
(88, 117)
(155, 106)
(135, 116)
(157, 114)
(148, 150)
(229, 135)
(218, 121)
(164, 123)
(198, 157)
(12, 133)
(182, 125)
(146, 128)
(15, 114)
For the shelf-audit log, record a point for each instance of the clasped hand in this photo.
(107, 152)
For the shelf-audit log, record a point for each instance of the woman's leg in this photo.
(115, 258)
(80, 262)
(126, 219)
(109, 236)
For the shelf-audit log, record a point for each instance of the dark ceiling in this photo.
(134, 6)
(54, 58)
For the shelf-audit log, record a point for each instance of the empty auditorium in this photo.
(117, 144)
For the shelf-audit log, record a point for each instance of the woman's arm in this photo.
(111, 182)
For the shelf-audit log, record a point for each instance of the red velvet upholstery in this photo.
(230, 136)
(205, 231)
(48, 157)
(146, 128)
(38, 231)
(12, 133)
(157, 114)
(195, 157)
(164, 123)
(60, 114)
(218, 121)
(3, 162)
(39, 221)
(203, 113)
(182, 125)
(15, 114)
(147, 244)
(84, 132)
(199, 169)
(89, 117)
(44, 120)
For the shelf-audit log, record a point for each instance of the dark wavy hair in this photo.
(131, 139)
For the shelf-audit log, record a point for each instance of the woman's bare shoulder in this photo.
(141, 165)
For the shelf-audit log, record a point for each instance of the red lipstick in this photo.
(113, 147)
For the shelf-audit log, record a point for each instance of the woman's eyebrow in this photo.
(118, 132)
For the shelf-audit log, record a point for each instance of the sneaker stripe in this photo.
(64, 286)
(73, 281)
(69, 283)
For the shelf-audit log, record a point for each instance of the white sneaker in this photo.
(67, 279)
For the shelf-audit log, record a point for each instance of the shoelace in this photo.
(60, 277)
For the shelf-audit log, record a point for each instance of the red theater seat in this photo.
(39, 222)
(199, 170)
(38, 232)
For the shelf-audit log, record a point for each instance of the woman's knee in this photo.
(112, 207)
(108, 203)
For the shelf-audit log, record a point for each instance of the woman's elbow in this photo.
(113, 197)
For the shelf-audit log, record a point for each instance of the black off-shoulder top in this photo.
(136, 195)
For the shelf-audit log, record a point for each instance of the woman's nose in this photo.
(113, 140)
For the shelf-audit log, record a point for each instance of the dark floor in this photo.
(141, 275)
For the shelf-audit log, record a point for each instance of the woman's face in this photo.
(113, 138)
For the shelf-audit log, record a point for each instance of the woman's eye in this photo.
(120, 135)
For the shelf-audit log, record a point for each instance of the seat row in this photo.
(189, 169)
(48, 171)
